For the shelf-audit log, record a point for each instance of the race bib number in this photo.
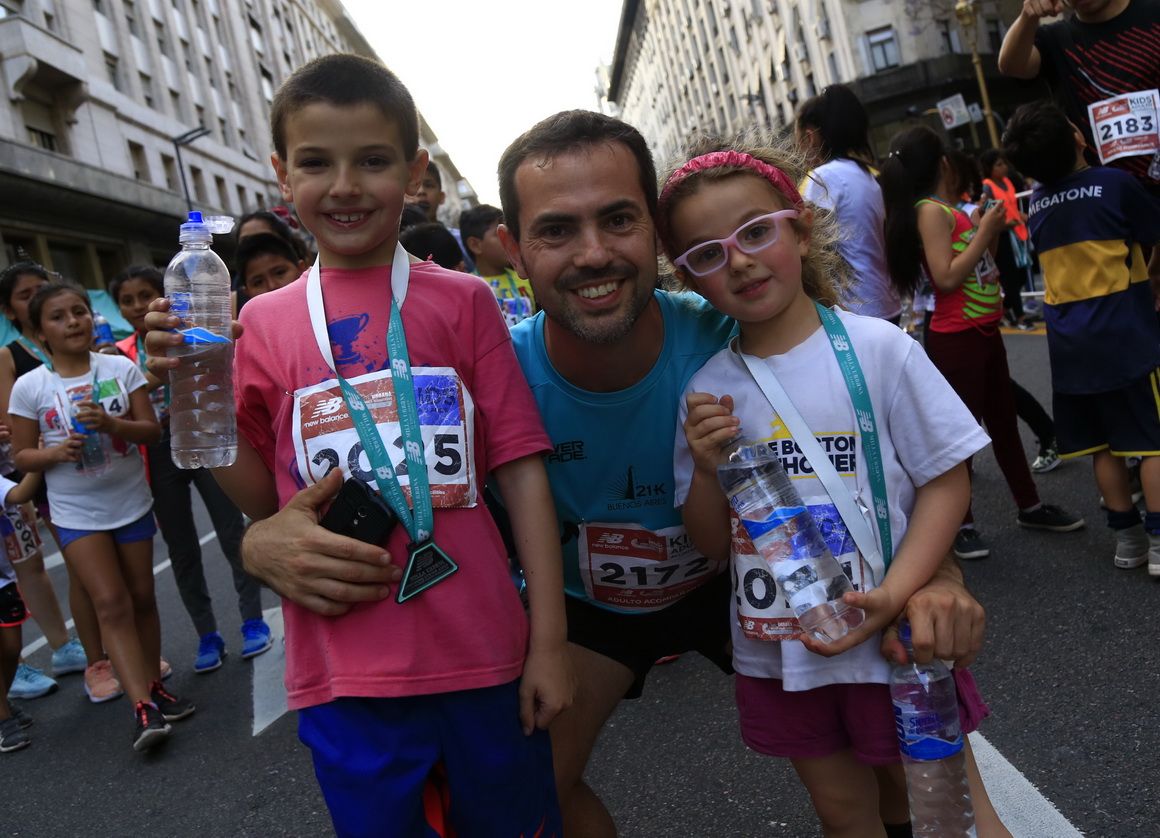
(1126, 125)
(763, 613)
(987, 272)
(18, 527)
(627, 566)
(325, 437)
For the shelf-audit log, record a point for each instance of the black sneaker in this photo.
(172, 708)
(151, 728)
(1049, 517)
(970, 545)
(24, 720)
(13, 737)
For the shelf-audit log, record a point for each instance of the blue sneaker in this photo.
(210, 652)
(255, 638)
(30, 682)
(69, 658)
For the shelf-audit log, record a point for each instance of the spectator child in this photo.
(927, 235)
(479, 227)
(263, 262)
(1090, 226)
(736, 229)
(103, 517)
(433, 242)
(134, 290)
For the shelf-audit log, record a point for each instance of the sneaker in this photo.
(970, 545)
(18, 713)
(150, 728)
(210, 651)
(101, 683)
(30, 682)
(172, 708)
(166, 669)
(69, 658)
(13, 737)
(1047, 460)
(255, 638)
(1049, 517)
(1132, 547)
(1154, 555)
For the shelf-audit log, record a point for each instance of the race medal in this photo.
(427, 567)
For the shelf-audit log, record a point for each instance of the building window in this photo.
(223, 194)
(169, 166)
(883, 48)
(113, 70)
(146, 88)
(222, 131)
(140, 164)
(198, 183)
(131, 17)
(241, 199)
(175, 101)
(256, 37)
(187, 54)
(162, 41)
(200, 112)
(99, 6)
(949, 36)
(42, 139)
(994, 33)
(49, 22)
(233, 88)
(267, 85)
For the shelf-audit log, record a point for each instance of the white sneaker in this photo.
(1132, 548)
(1154, 555)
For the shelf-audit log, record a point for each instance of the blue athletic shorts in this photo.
(143, 529)
(373, 758)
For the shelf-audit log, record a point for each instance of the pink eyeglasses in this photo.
(754, 235)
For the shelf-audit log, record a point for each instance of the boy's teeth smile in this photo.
(347, 217)
(591, 292)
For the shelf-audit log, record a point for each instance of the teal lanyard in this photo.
(867, 424)
(420, 524)
(34, 350)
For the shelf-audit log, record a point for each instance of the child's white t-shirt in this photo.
(80, 501)
(924, 430)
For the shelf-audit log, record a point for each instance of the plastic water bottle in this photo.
(202, 424)
(103, 339)
(782, 529)
(926, 714)
(94, 457)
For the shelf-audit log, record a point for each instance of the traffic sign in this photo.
(953, 111)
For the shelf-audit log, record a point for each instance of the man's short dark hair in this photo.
(345, 80)
(473, 222)
(1039, 141)
(564, 132)
(432, 241)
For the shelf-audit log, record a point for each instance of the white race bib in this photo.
(627, 566)
(325, 437)
(763, 613)
(18, 528)
(1126, 125)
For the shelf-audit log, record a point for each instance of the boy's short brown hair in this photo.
(345, 80)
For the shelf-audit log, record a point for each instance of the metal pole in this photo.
(991, 129)
(181, 171)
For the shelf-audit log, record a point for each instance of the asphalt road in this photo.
(1070, 670)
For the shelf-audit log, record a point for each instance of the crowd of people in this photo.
(536, 355)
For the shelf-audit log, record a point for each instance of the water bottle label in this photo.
(918, 735)
(777, 518)
(180, 302)
(199, 336)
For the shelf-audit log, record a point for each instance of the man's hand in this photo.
(162, 336)
(547, 687)
(946, 622)
(320, 570)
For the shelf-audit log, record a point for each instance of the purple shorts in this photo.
(839, 717)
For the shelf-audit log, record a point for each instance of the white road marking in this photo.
(56, 560)
(269, 683)
(1024, 811)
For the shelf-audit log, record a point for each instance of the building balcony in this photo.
(30, 52)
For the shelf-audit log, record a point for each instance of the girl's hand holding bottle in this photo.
(709, 426)
(993, 221)
(93, 416)
(68, 451)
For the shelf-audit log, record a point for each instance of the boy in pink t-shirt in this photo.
(455, 674)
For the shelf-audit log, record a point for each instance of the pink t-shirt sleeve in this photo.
(251, 387)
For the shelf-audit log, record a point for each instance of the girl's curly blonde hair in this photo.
(824, 272)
